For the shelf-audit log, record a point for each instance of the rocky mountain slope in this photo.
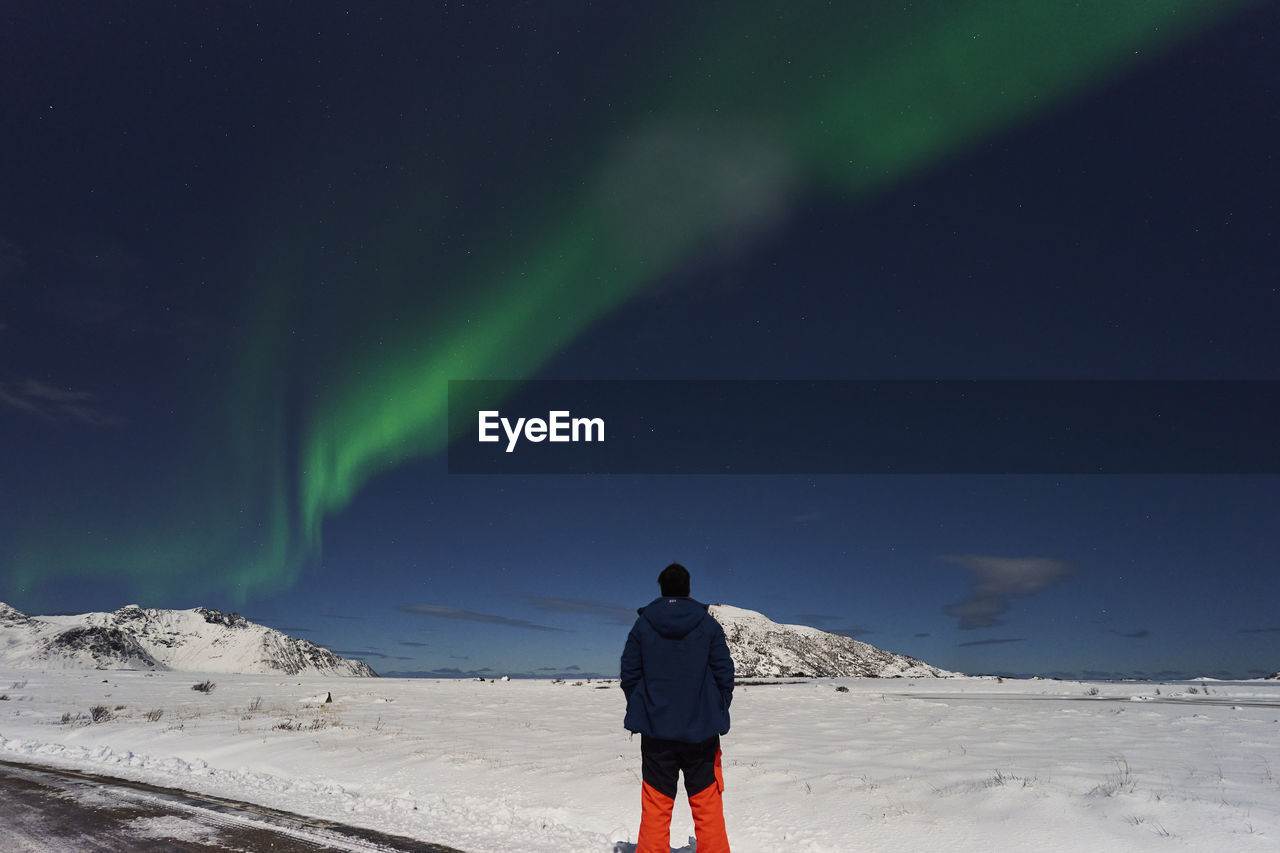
(762, 648)
(197, 640)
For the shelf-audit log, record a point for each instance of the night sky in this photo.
(245, 246)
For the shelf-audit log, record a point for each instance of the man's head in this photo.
(674, 581)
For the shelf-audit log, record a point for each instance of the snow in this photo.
(762, 648)
(195, 640)
(960, 764)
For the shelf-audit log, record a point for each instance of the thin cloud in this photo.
(572, 672)
(60, 405)
(359, 653)
(411, 643)
(999, 579)
(443, 612)
(1171, 675)
(995, 642)
(446, 672)
(612, 612)
(1102, 675)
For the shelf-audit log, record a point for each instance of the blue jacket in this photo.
(676, 672)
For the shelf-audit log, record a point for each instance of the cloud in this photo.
(50, 403)
(446, 672)
(443, 612)
(1140, 634)
(359, 653)
(998, 579)
(612, 612)
(411, 643)
(995, 642)
(852, 633)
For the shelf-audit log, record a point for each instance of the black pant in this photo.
(661, 761)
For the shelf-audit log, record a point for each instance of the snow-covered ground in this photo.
(533, 766)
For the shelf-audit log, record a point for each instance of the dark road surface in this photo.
(48, 810)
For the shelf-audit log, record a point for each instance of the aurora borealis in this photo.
(348, 211)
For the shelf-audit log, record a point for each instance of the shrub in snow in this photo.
(100, 714)
(298, 726)
(204, 686)
(1119, 782)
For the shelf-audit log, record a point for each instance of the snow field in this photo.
(890, 765)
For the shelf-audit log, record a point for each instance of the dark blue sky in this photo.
(242, 246)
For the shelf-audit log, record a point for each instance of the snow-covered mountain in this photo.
(197, 640)
(762, 648)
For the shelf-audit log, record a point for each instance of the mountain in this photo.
(762, 648)
(197, 640)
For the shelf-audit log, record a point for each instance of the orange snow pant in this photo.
(661, 763)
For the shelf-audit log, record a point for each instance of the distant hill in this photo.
(762, 648)
(197, 640)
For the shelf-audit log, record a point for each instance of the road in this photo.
(50, 810)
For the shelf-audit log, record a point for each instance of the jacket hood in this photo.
(673, 617)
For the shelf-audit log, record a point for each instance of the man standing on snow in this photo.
(678, 679)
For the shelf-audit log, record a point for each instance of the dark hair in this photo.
(674, 580)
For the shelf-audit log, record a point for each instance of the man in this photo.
(678, 679)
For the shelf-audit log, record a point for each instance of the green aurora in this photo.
(751, 117)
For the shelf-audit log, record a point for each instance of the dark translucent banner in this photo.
(837, 427)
